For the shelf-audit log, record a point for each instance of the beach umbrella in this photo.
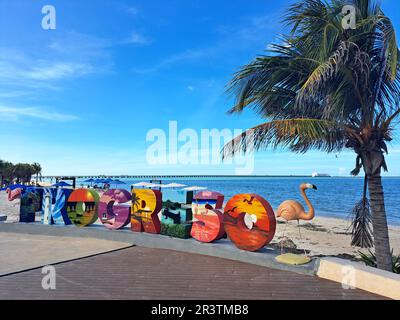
(44, 184)
(117, 182)
(14, 186)
(142, 184)
(147, 185)
(174, 185)
(89, 181)
(62, 184)
(195, 188)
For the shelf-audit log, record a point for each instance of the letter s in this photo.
(207, 219)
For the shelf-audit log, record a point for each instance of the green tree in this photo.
(328, 88)
(2, 172)
(23, 172)
(37, 170)
(6, 171)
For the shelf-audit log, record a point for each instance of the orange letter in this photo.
(249, 221)
(146, 204)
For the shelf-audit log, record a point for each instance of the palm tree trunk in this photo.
(379, 223)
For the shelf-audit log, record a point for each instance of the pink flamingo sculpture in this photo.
(14, 194)
(292, 210)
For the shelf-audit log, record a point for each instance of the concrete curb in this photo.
(221, 249)
(360, 276)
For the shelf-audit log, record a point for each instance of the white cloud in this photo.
(10, 113)
(251, 32)
(174, 59)
(133, 11)
(35, 74)
(138, 39)
(55, 71)
(69, 56)
(15, 94)
(80, 47)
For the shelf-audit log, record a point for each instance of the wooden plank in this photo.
(143, 273)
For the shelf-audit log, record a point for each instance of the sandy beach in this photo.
(323, 236)
(326, 236)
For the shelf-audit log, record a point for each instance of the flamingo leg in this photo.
(283, 236)
(301, 238)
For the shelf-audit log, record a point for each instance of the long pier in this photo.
(174, 176)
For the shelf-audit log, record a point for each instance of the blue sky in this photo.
(80, 99)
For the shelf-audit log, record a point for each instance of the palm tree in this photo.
(37, 170)
(23, 172)
(3, 166)
(6, 171)
(328, 88)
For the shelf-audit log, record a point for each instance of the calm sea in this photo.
(335, 196)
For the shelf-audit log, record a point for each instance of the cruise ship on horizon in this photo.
(320, 175)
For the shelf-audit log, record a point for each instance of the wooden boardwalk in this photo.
(142, 273)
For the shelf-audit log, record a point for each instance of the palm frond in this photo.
(299, 135)
(361, 227)
(321, 71)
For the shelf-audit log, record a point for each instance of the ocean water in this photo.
(335, 197)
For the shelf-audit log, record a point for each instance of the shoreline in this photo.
(330, 215)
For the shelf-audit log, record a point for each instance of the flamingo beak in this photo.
(314, 187)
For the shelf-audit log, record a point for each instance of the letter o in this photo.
(249, 209)
(82, 207)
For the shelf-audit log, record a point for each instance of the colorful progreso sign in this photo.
(247, 219)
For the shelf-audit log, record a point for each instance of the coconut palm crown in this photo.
(329, 88)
